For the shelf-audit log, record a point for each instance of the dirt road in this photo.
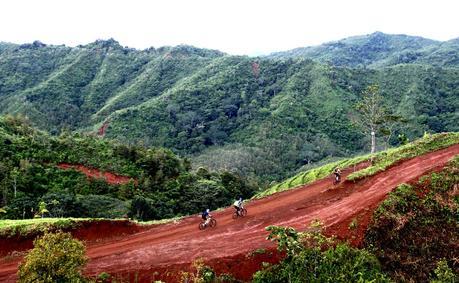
(174, 245)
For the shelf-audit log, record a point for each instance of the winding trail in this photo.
(174, 245)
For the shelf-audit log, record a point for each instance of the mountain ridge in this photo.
(258, 116)
(373, 50)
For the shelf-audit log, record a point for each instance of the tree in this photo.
(55, 258)
(42, 209)
(372, 112)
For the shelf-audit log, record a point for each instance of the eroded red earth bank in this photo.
(162, 251)
(110, 178)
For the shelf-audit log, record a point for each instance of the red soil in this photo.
(97, 174)
(95, 231)
(164, 250)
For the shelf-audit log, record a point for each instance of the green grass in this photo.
(311, 175)
(381, 161)
(426, 144)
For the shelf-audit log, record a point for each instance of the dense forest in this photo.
(261, 117)
(33, 185)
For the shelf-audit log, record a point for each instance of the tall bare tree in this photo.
(373, 114)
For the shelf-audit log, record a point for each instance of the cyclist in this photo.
(238, 205)
(206, 216)
(337, 173)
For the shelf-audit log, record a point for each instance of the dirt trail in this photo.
(174, 245)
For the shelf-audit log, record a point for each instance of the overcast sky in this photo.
(234, 26)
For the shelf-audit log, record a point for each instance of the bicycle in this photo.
(242, 213)
(336, 179)
(211, 222)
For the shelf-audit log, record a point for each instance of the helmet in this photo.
(207, 210)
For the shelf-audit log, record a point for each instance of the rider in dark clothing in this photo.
(205, 214)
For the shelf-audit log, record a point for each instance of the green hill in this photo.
(161, 186)
(261, 117)
(378, 50)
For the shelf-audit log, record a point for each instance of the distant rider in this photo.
(206, 216)
(238, 205)
(337, 173)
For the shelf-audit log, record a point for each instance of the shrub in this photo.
(54, 258)
(310, 258)
(443, 273)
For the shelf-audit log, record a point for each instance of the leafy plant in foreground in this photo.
(312, 257)
(54, 258)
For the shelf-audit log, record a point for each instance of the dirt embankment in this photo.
(162, 251)
(93, 231)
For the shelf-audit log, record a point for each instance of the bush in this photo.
(444, 274)
(311, 259)
(54, 258)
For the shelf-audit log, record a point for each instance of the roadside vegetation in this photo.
(56, 257)
(415, 231)
(312, 257)
(381, 161)
(412, 238)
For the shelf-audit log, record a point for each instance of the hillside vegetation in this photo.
(162, 185)
(260, 117)
(417, 227)
(381, 161)
(379, 50)
(413, 237)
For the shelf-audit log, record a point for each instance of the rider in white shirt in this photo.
(238, 205)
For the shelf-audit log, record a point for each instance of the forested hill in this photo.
(36, 167)
(378, 50)
(262, 117)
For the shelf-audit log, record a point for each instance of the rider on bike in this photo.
(238, 205)
(337, 173)
(206, 216)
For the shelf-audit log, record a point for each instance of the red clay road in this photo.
(177, 244)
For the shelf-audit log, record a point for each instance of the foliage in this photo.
(312, 257)
(165, 181)
(260, 117)
(427, 143)
(417, 225)
(443, 273)
(381, 161)
(204, 274)
(312, 175)
(378, 50)
(54, 258)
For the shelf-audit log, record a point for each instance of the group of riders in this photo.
(206, 217)
(239, 209)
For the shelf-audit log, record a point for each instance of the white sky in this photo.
(234, 26)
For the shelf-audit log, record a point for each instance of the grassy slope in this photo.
(381, 161)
